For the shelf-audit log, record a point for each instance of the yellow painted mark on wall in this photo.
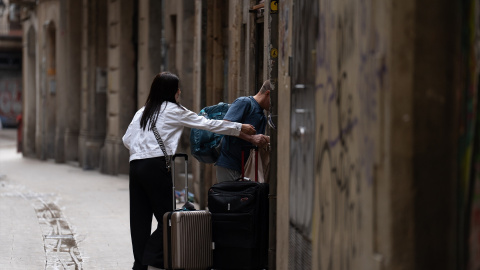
(274, 53)
(273, 7)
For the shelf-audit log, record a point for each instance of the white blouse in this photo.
(171, 121)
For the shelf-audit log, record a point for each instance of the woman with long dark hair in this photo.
(150, 179)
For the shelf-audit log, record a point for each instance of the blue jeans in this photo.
(224, 174)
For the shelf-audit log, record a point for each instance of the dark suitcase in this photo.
(187, 234)
(239, 224)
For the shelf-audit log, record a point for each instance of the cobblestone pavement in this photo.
(58, 216)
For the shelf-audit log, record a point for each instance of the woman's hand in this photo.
(248, 129)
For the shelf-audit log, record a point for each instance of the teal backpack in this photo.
(205, 145)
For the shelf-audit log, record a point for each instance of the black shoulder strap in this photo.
(162, 146)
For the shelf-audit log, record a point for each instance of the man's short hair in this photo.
(266, 86)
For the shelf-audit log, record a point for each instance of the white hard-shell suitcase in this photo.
(187, 234)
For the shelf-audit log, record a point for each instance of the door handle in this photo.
(300, 132)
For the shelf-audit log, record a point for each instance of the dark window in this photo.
(10, 61)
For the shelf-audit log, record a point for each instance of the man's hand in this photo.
(248, 129)
(259, 140)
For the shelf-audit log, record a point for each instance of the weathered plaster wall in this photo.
(120, 88)
(72, 81)
(29, 86)
(351, 84)
(93, 99)
(351, 99)
(383, 178)
(47, 14)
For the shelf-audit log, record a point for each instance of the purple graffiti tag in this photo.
(346, 130)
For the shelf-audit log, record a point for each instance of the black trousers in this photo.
(150, 194)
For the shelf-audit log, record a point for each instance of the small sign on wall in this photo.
(52, 86)
(273, 7)
(101, 80)
(274, 52)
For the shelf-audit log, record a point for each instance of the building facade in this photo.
(10, 65)
(373, 118)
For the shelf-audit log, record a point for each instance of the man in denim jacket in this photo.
(246, 110)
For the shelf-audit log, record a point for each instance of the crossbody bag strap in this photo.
(162, 146)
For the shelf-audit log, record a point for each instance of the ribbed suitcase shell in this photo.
(191, 239)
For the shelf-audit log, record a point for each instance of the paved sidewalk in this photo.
(57, 216)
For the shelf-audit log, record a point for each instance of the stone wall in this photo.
(360, 98)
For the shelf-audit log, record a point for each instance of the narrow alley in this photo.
(58, 216)
(373, 118)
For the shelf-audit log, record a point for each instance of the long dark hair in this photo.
(164, 87)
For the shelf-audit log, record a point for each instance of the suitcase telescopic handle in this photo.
(180, 155)
(173, 177)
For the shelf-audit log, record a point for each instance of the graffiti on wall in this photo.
(302, 123)
(10, 100)
(351, 72)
